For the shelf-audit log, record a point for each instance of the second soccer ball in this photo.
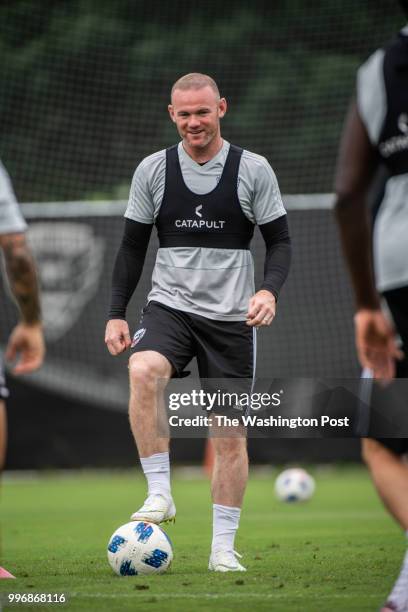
(294, 485)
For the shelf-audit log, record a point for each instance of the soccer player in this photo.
(376, 132)
(204, 195)
(26, 340)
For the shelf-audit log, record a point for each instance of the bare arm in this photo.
(375, 337)
(26, 340)
(355, 169)
(22, 276)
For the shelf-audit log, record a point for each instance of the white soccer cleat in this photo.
(397, 605)
(398, 598)
(156, 509)
(225, 561)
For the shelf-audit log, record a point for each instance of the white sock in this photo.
(156, 468)
(225, 525)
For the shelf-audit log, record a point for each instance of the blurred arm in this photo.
(375, 337)
(22, 276)
(355, 169)
(26, 340)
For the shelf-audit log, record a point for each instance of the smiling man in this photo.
(204, 196)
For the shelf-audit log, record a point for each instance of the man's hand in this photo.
(262, 308)
(117, 336)
(376, 343)
(26, 343)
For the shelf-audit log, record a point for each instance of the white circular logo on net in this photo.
(70, 259)
(138, 336)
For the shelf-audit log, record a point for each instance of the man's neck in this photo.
(201, 156)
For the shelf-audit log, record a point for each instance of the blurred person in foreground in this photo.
(376, 134)
(26, 343)
(205, 196)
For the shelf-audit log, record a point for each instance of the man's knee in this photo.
(231, 448)
(148, 369)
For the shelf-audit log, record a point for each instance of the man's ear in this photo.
(171, 113)
(222, 107)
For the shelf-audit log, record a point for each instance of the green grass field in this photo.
(340, 551)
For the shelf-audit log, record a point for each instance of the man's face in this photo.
(197, 113)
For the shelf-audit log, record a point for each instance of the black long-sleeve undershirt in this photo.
(132, 252)
(278, 254)
(128, 266)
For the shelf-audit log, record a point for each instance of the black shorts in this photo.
(397, 301)
(224, 349)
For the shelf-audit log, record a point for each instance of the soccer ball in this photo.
(139, 548)
(294, 485)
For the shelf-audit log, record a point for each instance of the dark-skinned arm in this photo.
(375, 336)
(356, 166)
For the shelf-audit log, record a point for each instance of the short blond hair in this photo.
(195, 80)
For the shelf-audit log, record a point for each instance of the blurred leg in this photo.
(390, 476)
(3, 434)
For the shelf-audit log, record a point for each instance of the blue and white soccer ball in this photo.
(294, 485)
(139, 548)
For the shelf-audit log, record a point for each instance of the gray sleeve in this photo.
(258, 190)
(371, 95)
(146, 192)
(11, 217)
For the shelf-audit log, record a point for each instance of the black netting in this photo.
(85, 84)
